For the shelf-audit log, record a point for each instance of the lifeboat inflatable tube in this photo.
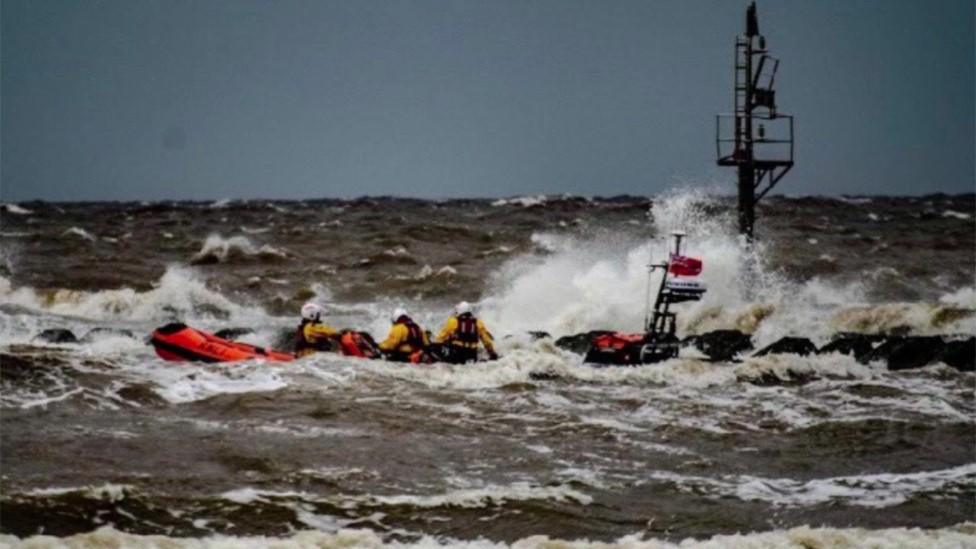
(179, 343)
(358, 344)
(620, 349)
(615, 348)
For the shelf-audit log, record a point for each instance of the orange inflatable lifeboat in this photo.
(178, 342)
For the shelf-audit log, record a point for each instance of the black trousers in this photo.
(459, 355)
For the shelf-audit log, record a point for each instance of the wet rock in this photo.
(141, 394)
(542, 376)
(540, 335)
(868, 390)
(233, 333)
(768, 379)
(961, 354)
(723, 344)
(57, 335)
(900, 330)
(579, 343)
(525, 387)
(856, 345)
(789, 346)
(205, 259)
(905, 353)
(208, 309)
(106, 332)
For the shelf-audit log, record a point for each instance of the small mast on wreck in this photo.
(755, 138)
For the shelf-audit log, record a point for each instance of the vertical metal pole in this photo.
(747, 200)
(747, 170)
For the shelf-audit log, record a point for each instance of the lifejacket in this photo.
(466, 333)
(303, 345)
(415, 336)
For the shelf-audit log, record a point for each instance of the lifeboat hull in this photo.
(621, 349)
(178, 342)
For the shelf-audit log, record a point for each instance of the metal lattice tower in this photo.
(755, 138)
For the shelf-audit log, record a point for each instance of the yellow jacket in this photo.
(312, 335)
(398, 340)
(451, 326)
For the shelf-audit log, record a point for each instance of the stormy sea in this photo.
(860, 432)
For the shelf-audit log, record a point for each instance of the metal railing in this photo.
(773, 143)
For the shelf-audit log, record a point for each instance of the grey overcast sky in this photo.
(201, 99)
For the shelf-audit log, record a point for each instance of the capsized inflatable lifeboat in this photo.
(178, 342)
(659, 340)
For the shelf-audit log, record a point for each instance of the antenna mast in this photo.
(756, 138)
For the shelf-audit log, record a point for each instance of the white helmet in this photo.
(311, 311)
(462, 308)
(397, 313)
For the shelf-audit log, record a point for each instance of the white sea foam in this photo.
(397, 251)
(957, 215)
(857, 200)
(921, 318)
(190, 383)
(477, 497)
(963, 297)
(492, 495)
(790, 367)
(524, 201)
(106, 492)
(954, 537)
(876, 490)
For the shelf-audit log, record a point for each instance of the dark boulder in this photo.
(905, 353)
(211, 310)
(57, 335)
(856, 345)
(233, 333)
(789, 346)
(579, 343)
(539, 335)
(768, 379)
(103, 332)
(723, 344)
(960, 354)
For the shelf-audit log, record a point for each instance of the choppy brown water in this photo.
(104, 433)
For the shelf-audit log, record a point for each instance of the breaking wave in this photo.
(79, 233)
(217, 249)
(179, 293)
(880, 490)
(16, 209)
(585, 283)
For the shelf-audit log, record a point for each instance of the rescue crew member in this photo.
(462, 332)
(406, 340)
(313, 335)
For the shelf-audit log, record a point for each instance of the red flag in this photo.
(685, 266)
